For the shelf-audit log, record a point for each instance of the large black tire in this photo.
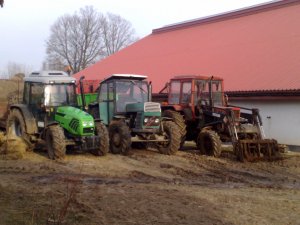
(102, 132)
(15, 127)
(209, 143)
(172, 134)
(180, 122)
(55, 139)
(119, 138)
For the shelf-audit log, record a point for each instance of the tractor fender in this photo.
(166, 119)
(119, 117)
(177, 108)
(30, 122)
(44, 131)
(52, 123)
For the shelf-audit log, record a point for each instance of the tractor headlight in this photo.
(87, 123)
(146, 120)
(156, 120)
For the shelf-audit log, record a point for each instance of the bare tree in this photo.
(117, 33)
(77, 40)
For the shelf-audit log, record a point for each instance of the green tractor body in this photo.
(50, 111)
(75, 121)
(124, 105)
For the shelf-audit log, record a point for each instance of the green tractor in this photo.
(124, 105)
(49, 111)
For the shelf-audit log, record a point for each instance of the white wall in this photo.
(284, 122)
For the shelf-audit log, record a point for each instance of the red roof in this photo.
(252, 49)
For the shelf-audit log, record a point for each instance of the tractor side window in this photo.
(103, 92)
(204, 92)
(174, 92)
(110, 91)
(124, 95)
(186, 92)
(37, 93)
(217, 93)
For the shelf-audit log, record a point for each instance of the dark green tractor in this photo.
(49, 111)
(124, 105)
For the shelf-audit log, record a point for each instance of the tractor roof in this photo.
(50, 77)
(126, 77)
(195, 77)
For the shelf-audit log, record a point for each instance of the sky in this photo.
(25, 25)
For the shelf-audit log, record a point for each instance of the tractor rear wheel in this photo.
(55, 139)
(179, 120)
(119, 138)
(15, 127)
(102, 132)
(172, 136)
(209, 143)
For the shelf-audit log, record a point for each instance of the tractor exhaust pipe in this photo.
(81, 92)
(150, 91)
(211, 92)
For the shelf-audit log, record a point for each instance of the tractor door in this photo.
(34, 100)
(106, 102)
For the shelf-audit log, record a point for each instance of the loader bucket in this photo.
(254, 150)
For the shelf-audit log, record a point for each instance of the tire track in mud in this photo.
(186, 168)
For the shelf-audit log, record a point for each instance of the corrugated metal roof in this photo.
(253, 52)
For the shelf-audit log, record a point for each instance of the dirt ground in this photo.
(149, 188)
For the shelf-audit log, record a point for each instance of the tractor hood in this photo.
(74, 120)
(143, 107)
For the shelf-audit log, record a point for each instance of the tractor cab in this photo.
(195, 93)
(123, 94)
(45, 91)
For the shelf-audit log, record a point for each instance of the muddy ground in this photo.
(149, 188)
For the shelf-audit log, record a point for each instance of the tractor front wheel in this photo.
(209, 143)
(179, 120)
(102, 132)
(55, 139)
(172, 137)
(119, 138)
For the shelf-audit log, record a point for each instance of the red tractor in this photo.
(199, 107)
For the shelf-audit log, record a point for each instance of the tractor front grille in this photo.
(88, 130)
(152, 107)
(138, 121)
(74, 124)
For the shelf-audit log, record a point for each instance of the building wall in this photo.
(281, 118)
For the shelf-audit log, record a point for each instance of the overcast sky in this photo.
(25, 25)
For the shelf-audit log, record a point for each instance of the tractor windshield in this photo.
(60, 94)
(130, 92)
(203, 93)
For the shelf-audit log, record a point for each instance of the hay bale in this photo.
(12, 148)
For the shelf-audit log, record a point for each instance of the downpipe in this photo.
(81, 93)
